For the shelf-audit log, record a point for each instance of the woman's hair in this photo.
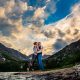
(35, 43)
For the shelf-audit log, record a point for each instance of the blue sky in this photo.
(63, 8)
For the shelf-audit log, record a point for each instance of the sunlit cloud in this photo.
(39, 13)
(53, 37)
(2, 12)
(66, 30)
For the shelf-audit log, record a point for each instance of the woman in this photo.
(34, 56)
(39, 55)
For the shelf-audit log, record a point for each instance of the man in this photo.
(39, 56)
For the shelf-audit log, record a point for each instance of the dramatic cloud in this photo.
(2, 12)
(3, 2)
(59, 44)
(38, 11)
(5, 27)
(53, 37)
(66, 30)
(50, 7)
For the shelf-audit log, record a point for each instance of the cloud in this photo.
(6, 43)
(2, 3)
(64, 31)
(50, 7)
(5, 27)
(14, 10)
(39, 11)
(2, 12)
(59, 44)
(53, 37)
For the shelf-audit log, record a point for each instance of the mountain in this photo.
(10, 54)
(68, 56)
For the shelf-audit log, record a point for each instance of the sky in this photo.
(55, 23)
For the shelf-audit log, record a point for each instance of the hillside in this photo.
(11, 60)
(10, 54)
(68, 56)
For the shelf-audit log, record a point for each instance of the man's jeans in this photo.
(40, 63)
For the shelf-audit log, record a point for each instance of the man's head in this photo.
(39, 43)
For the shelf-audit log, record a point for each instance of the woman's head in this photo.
(35, 43)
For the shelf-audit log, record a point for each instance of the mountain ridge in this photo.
(69, 55)
(11, 53)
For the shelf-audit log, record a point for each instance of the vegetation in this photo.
(68, 56)
(9, 62)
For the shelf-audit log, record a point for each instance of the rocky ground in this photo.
(60, 74)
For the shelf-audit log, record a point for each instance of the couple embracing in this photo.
(37, 48)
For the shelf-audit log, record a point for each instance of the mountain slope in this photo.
(69, 55)
(10, 54)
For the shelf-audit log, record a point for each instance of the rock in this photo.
(61, 74)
